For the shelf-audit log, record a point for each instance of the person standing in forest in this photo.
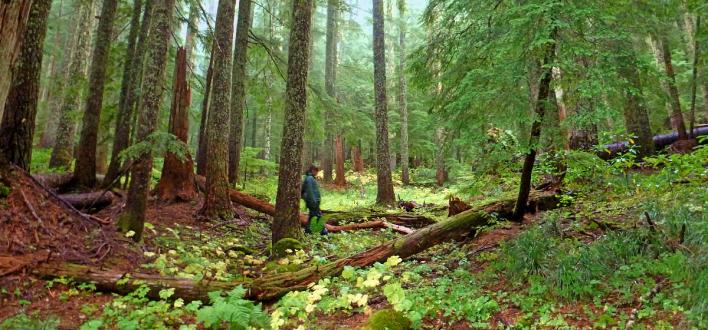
(311, 194)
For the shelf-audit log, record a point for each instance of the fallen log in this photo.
(89, 201)
(60, 181)
(274, 286)
(660, 141)
(256, 204)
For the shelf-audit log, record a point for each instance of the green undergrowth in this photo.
(619, 235)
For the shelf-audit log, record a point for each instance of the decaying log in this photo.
(456, 206)
(660, 141)
(256, 204)
(274, 286)
(59, 181)
(89, 201)
(54, 180)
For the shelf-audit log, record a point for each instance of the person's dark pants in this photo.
(314, 213)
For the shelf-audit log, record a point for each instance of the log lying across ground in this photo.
(275, 286)
(89, 201)
(59, 181)
(256, 204)
(660, 141)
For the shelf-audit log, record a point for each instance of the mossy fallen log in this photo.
(274, 286)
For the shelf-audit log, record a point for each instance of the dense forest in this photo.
(353, 164)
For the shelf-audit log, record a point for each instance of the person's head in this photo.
(313, 170)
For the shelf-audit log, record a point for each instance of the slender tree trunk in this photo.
(125, 110)
(146, 27)
(133, 218)
(63, 152)
(562, 109)
(202, 148)
(402, 91)
(676, 115)
(440, 170)
(238, 91)
(542, 102)
(286, 221)
(13, 20)
(339, 153)
(385, 194)
(85, 171)
(694, 78)
(636, 116)
(329, 152)
(357, 161)
(52, 92)
(254, 128)
(177, 180)
(217, 204)
(17, 127)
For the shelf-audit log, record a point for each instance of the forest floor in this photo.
(626, 248)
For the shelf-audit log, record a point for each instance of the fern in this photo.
(157, 143)
(232, 312)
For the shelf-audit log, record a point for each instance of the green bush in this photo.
(387, 319)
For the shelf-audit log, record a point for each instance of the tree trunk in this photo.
(326, 151)
(676, 115)
(636, 117)
(544, 95)
(85, 171)
(331, 130)
(562, 109)
(56, 79)
(694, 78)
(340, 180)
(440, 170)
(202, 148)
(158, 43)
(287, 205)
(384, 195)
(402, 91)
(63, 152)
(216, 197)
(238, 91)
(146, 28)
(13, 21)
(17, 129)
(177, 180)
(125, 103)
(275, 286)
(357, 161)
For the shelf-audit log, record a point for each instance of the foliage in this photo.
(387, 319)
(23, 321)
(232, 312)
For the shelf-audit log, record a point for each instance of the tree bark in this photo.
(540, 107)
(177, 180)
(287, 205)
(694, 78)
(13, 20)
(202, 148)
(340, 179)
(357, 161)
(85, 170)
(271, 287)
(403, 91)
(216, 197)
(17, 128)
(676, 115)
(63, 152)
(660, 141)
(133, 218)
(89, 201)
(384, 194)
(440, 170)
(125, 103)
(238, 91)
(331, 160)
(146, 28)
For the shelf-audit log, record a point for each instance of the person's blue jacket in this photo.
(310, 192)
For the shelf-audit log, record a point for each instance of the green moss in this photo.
(4, 190)
(275, 267)
(280, 247)
(387, 319)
